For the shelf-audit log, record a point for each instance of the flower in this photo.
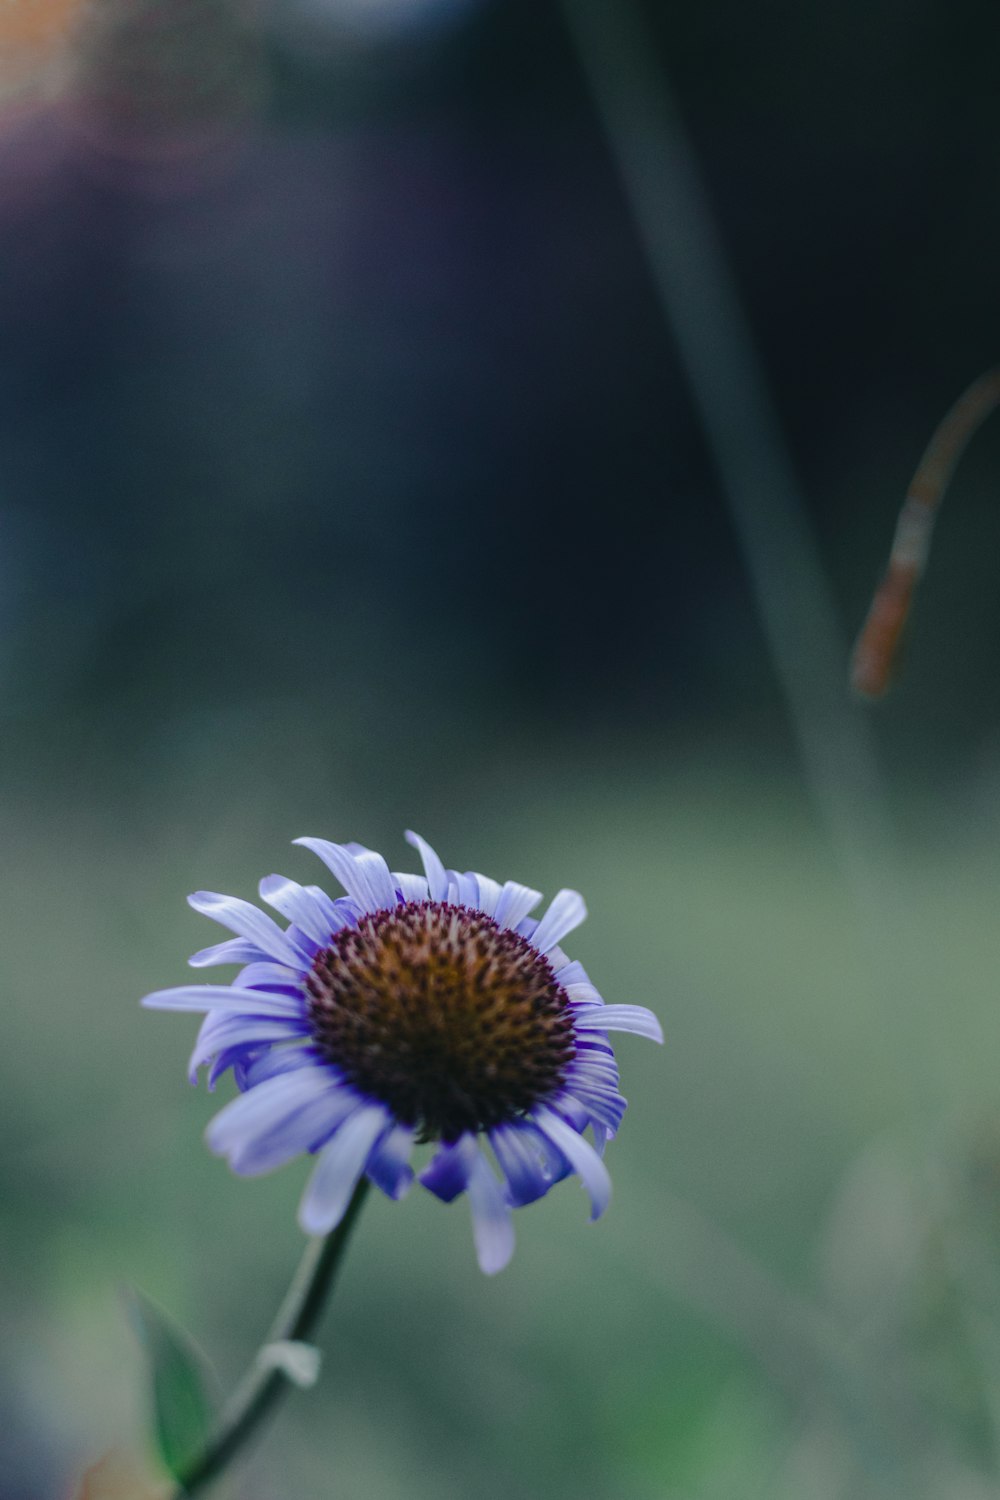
(417, 1008)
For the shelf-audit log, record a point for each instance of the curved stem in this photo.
(878, 644)
(262, 1387)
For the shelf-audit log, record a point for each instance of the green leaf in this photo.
(183, 1411)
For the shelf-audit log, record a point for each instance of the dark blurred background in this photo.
(350, 480)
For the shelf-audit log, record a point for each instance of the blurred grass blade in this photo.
(183, 1408)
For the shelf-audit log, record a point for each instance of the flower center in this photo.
(453, 1022)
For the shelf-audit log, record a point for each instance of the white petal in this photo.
(571, 973)
(521, 1162)
(232, 951)
(583, 994)
(298, 905)
(221, 1031)
(279, 1060)
(247, 922)
(336, 914)
(437, 880)
(581, 1156)
(634, 1018)
(601, 1102)
(413, 887)
(514, 903)
(206, 997)
(566, 912)
(268, 976)
(340, 1165)
(489, 892)
(303, 1129)
(365, 876)
(463, 890)
(492, 1227)
(593, 1068)
(253, 1114)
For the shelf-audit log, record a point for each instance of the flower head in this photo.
(416, 1008)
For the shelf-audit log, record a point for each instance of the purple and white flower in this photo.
(415, 1008)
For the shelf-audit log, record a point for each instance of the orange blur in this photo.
(873, 662)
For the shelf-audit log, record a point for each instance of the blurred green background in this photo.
(350, 481)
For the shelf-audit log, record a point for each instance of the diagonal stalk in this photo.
(262, 1387)
(674, 221)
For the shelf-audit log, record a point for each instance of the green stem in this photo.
(262, 1388)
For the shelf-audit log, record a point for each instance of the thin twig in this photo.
(874, 659)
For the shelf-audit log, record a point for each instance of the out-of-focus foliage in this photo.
(647, 1353)
(182, 1412)
(117, 1476)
